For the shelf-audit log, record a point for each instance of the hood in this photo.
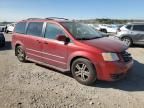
(107, 44)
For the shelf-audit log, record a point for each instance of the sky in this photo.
(14, 10)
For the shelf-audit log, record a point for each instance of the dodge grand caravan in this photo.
(71, 46)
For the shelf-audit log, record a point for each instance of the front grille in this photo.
(126, 56)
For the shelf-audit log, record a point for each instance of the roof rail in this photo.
(56, 18)
(136, 23)
(33, 18)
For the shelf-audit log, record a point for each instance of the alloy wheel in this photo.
(82, 71)
(127, 41)
(20, 54)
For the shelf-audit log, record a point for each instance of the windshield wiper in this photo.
(95, 37)
(84, 38)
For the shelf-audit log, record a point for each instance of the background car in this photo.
(97, 28)
(10, 28)
(132, 33)
(108, 28)
(103, 34)
(2, 40)
(2, 27)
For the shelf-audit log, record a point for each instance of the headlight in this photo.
(110, 57)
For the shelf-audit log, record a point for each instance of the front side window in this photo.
(53, 30)
(81, 31)
(20, 27)
(138, 27)
(35, 28)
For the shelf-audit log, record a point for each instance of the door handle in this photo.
(45, 42)
(38, 41)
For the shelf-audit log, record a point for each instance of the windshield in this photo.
(81, 31)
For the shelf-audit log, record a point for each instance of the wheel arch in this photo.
(16, 45)
(127, 36)
(77, 57)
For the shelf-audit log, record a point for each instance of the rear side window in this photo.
(138, 27)
(53, 30)
(35, 28)
(129, 27)
(20, 27)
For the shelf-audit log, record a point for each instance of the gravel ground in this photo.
(27, 85)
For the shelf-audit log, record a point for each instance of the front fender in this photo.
(82, 54)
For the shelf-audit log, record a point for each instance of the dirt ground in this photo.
(27, 85)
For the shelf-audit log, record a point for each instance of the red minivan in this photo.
(71, 46)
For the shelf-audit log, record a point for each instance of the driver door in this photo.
(54, 51)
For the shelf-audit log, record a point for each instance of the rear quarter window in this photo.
(20, 27)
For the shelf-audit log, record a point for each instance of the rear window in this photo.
(129, 27)
(20, 27)
(35, 28)
(138, 27)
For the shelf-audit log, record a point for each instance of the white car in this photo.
(10, 28)
(105, 27)
(108, 28)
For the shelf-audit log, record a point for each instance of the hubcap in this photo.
(82, 71)
(20, 54)
(126, 41)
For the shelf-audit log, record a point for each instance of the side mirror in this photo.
(63, 38)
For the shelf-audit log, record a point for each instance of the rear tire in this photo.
(83, 71)
(20, 53)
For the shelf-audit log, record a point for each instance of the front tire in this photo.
(7, 32)
(127, 41)
(103, 30)
(20, 53)
(83, 71)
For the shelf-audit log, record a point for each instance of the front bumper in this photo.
(111, 71)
